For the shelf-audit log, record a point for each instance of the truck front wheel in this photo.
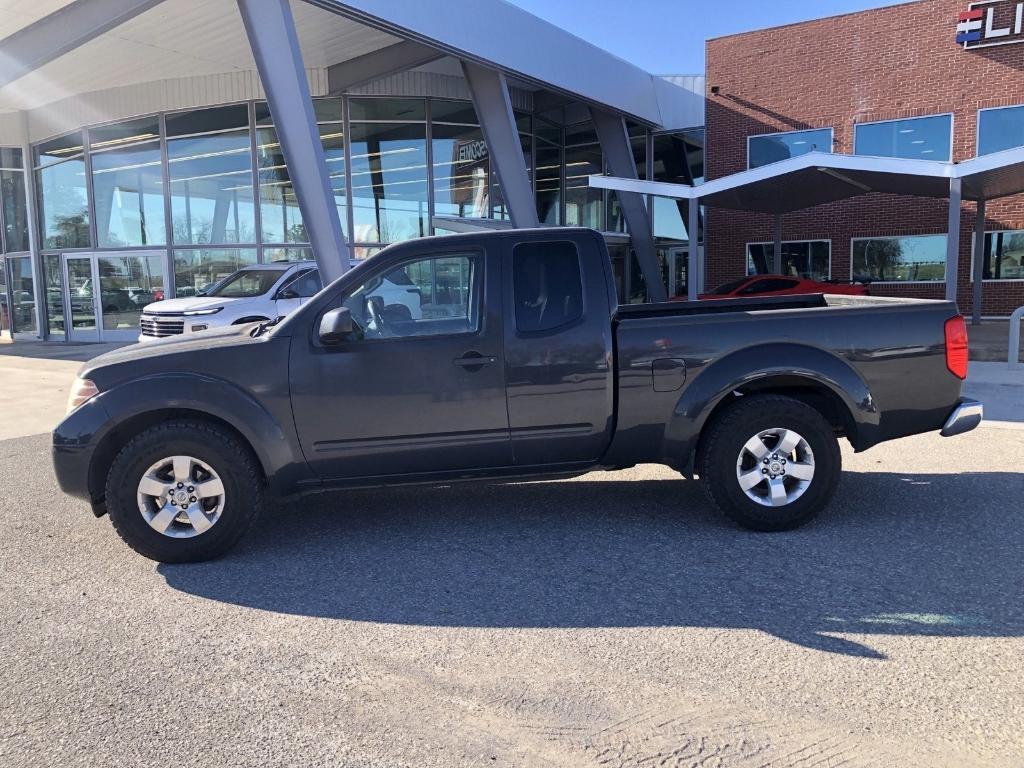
(770, 463)
(183, 491)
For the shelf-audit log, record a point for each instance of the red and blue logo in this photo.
(969, 28)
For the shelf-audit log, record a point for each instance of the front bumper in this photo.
(966, 416)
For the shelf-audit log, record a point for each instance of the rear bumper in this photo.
(966, 416)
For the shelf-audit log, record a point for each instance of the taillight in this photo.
(956, 346)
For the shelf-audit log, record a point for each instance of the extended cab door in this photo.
(558, 348)
(414, 391)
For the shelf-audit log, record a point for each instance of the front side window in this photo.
(769, 285)
(547, 285)
(900, 259)
(1004, 256)
(919, 138)
(765, 150)
(809, 259)
(436, 296)
(1000, 129)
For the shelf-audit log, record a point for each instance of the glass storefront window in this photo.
(128, 185)
(810, 259)
(14, 213)
(678, 159)
(1004, 256)
(199, 268)
(900, 259)
(209, 155)
(772, 148)
(584, 206)
(5, 309)
(549, 183)
(918, 138)
(127, 284)
(280, 216)
(461, 165)
(63, 193)
(287, 254)
(53, 282)
(1000, 129)
(397, 110)
(389, 181)
(23, 300)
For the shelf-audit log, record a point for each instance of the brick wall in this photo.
(889, 63)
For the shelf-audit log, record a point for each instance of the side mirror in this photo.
(288, 293)
(336, 326)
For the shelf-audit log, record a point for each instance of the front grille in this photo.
(158, 327)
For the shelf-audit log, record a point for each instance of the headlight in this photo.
(195, 312)
(82, 391)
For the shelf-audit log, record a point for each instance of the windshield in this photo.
(246, 284)
(728, 287)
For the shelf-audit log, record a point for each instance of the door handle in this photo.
(473, 361)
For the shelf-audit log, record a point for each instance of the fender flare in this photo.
(758, 364)
(274, 444)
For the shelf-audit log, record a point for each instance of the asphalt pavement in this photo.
(612, 620)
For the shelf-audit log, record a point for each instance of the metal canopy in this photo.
(819, 177)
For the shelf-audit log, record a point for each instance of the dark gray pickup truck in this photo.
(513, 360)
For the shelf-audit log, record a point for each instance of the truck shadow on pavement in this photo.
(895, 554)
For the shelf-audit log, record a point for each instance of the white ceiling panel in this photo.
(177, 39)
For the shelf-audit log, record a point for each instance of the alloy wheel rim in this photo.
(775, 467)
(181, 497)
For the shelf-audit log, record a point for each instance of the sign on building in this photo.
(986, 23)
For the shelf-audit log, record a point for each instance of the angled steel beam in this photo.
(498, 124)
(611, 132)
(275, 47)
(62, 31)
(370, 66)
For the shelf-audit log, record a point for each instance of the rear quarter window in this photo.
(547, 285)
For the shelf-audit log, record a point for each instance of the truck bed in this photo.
(867, 346)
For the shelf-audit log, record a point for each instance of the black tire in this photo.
(231, 459)
(727, 435)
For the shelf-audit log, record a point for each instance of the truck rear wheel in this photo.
(183, 491)
(770, 463)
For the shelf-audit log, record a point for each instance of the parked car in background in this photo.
(781, 285)
(257, 293)
(262, 293)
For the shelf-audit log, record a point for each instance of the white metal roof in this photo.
(819, 177)
(194, 38)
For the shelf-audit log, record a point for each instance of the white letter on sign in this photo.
(989, 32)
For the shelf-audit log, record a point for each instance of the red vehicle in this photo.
(779, 285)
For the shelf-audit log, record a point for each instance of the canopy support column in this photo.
(979, 263)
(270, 28)
(777, 245)
(611, 132)
(498, 124)
(693, 267)
(953, 239)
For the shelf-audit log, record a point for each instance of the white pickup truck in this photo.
(260, 293)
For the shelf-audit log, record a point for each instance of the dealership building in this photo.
(148, 148)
